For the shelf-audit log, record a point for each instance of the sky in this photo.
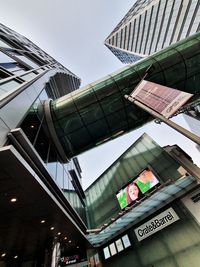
(73, 32)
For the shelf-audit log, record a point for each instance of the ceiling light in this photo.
(70, 241)
(42, 221)
(52, 228)
(65, 238)
(77, 247)
(59, 233)
(32, 126)
(13, 200)
(3, 254)
(15, 257)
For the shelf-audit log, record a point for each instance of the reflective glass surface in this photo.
(99, 112)
(125, 169)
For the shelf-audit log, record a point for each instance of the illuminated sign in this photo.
(157, 223)
(136, 189)
(64, 261)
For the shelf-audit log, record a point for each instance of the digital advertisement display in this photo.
(137, 188)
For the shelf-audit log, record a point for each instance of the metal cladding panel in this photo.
(98, 112)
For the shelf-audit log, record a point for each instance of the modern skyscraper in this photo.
(151, 25)
(46, 219)
(40, 190)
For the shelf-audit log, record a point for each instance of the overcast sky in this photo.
(73, 32)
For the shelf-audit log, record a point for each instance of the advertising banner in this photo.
(136, 188)
(157, 223)
(164, 100)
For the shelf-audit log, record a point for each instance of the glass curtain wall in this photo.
(33, 127)
(101, 195)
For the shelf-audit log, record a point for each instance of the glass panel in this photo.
(60, 175)
(51, 167)
(27, 61)
(91, 113)
(5, 59)
(4, 44)
(42, 145)
(10, 85)
(29, 76)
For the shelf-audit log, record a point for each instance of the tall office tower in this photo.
(151, 25)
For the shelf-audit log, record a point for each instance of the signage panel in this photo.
(106, 252)
(162, 99)
(68, 260)
(157, 223)
(113, 250)
(126, 241)
(119, 245)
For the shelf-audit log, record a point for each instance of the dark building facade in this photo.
(46, 217)
(151, 25)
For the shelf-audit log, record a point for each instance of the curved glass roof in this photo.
(98, 112)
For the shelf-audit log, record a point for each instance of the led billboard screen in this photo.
(137, 188)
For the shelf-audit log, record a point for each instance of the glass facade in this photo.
(34, 127)
(143, 152)
(157, 24)
(34, 175)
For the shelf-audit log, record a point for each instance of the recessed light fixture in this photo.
(3, 254)
(32, 126)
(15, 257)
(59, 233)
(77, 247)
(52, 228)
(13, 199)
(65, 238)
(42, 221)
(69, 241)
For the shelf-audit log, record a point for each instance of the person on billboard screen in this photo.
(146, 180)
(132, 192)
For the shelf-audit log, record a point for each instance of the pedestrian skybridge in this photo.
(99, 112)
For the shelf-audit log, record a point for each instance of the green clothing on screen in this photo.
(144, 187)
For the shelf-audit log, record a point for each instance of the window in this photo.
(115, 247)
